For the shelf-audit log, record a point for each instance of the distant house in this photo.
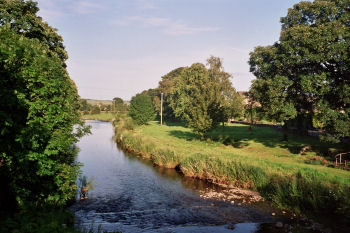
(246, 99)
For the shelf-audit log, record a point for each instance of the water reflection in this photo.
(131, 195)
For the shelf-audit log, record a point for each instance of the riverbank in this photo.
(257, 160)
(103, 116)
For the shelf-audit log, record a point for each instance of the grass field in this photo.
(103, 116)
(96, 102)
(257, 159)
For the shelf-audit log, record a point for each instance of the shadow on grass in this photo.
(189, 136)
(239, 136)
(272, 138)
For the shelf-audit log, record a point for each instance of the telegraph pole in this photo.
(161, 108)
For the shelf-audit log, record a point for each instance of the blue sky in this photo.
(118, 48)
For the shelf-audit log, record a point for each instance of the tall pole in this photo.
(161, 108)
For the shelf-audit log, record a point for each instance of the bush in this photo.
(142, 109)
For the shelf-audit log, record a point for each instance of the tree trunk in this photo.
(285, 131)
(223, 126)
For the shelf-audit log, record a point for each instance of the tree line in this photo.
(301, 80)
(201, 96)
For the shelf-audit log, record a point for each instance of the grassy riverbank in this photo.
(256, 160)
(103, 116)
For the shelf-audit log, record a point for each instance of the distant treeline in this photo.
(88, 106)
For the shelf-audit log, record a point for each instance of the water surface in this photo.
(131, 195)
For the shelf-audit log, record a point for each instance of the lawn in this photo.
(262, 146)
(103, 116)
(256, 159)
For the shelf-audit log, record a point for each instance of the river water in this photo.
(131, 195)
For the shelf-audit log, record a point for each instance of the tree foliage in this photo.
(141, 109)
(38, 110)
(308, 70)
(21, 17)
(204, 97)
(165, 86)
(119, 105)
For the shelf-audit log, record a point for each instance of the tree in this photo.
(230, 102)
(204, 97)
(119, 105)
(141, 109)
(38, 110)
(154, 94)
(165, 86)
(95, 109)
(193, 98)
(307, 71)
(84, 106)
(21, 17)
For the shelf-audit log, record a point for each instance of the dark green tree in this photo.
(154, 94)
(204, 97)
(21, 17)
(165, 86)
(141, 109)
(307, 71)
(193, 99)
(38, 110)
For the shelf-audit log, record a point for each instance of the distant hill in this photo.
(98, 102)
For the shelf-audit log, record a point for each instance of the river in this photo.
(131, 195)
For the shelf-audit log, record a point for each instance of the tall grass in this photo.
(256, 160)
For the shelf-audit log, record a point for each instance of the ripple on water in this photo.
(130, 195)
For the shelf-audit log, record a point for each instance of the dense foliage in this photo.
(38, 110)
(165, 86)
(141, 109)
(307, 72)
(203, 97)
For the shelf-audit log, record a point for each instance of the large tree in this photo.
(165, 86)
(202, 96)
(193, 99)
(21, 17)
(230, 102)
(38, 110)
(310, 65)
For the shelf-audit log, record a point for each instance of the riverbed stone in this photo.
(279, 224)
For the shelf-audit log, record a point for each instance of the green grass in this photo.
(257, 159)
(97, 102)
(103, 116)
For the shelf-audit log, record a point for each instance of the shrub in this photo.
(142, 109)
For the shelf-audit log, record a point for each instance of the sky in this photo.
(118, 48)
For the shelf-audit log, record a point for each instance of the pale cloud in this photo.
(50, 15)
(51, 10)
(168, 26)
(146, 5)
(85, 7)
